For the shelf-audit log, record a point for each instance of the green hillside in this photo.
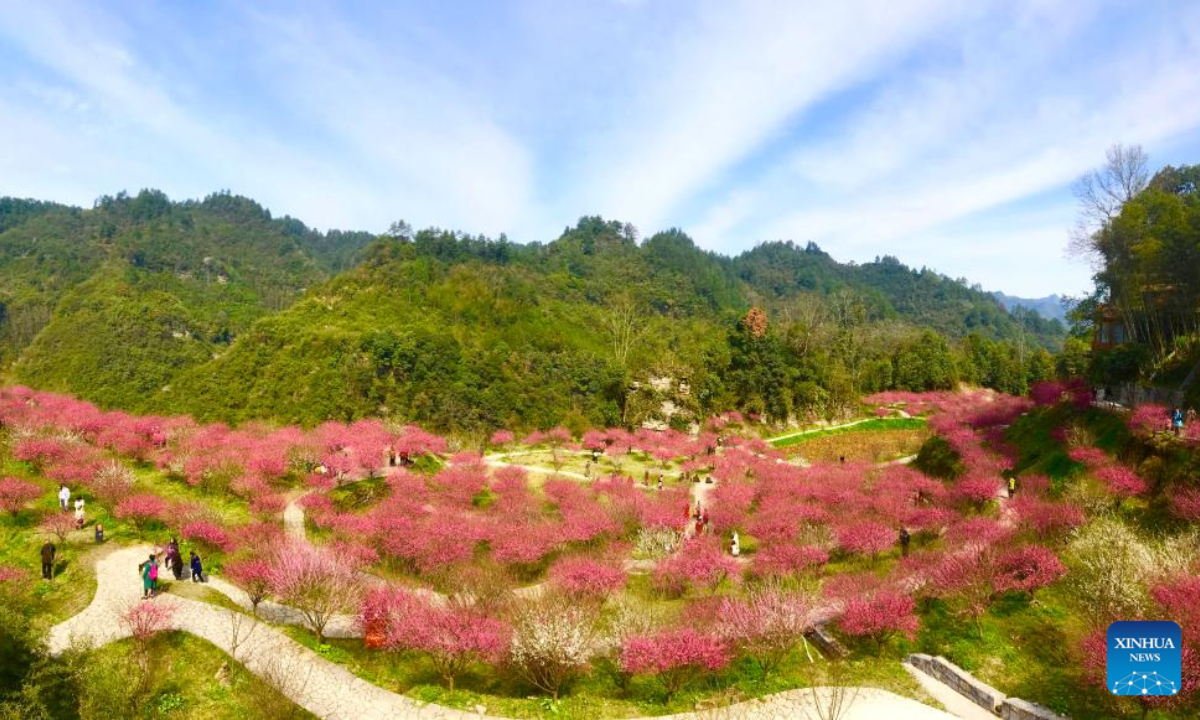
(217, 309)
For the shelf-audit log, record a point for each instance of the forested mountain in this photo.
(217, 309)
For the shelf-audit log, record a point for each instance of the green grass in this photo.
(872, 425)
(183, 682)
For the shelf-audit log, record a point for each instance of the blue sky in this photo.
(946, 133)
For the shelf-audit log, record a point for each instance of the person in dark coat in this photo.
(197, 568)
(176, 558)
(48, 551)
(905, 539)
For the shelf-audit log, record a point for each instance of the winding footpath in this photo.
(329, 691)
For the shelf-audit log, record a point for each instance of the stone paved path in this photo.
(329, 691)
(321, 687)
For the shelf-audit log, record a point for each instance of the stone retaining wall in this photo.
(978, 692)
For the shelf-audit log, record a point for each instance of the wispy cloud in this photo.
(943, 133)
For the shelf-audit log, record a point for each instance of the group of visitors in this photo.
(699, 516)
(64, 502)
(173, 560)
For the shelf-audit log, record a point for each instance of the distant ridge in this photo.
(1049, 307)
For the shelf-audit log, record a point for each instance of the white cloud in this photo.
(920, 131)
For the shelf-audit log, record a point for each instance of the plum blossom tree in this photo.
(552, 640)
(587, 578)
(206, 533)
(675, 656)
(1121, 481)
(700, 563)
(452, 636)
(254, 576)
(314, 582)
(59, 524)
(141, 509)
(113, 481)
(1185, 504)
(880, 616)
(785, 559)
(1028, 568)
(965, 579)
(502, 438)
(865, 537)
(15, 494)
(767, 622)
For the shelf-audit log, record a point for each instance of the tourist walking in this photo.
(149, 573)
(197, 568)
(79, 514)
(48, 551)
(176, 559)
(1012, 486)
(660, 482)
(735, 545)
(905, 538)
(99, 533)
(64, 497)
(1177, 421)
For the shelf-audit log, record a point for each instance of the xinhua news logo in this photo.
(1144, 657)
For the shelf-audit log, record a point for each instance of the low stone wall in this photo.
(978, 692)
(826, 642)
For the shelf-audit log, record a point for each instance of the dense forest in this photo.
(217, 309)
(1143, 233)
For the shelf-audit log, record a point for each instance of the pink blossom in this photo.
(585, 577)
(879, 616)
(783, 559)
(206, 533)
(1092, 457)
(865, 537)
(1185, 504)
(700, 563)
(144, 620)
(1028, 568)
(15, 494)
(1048, 519)
(452, 636)
(501, 438)
(674, 655)
(141, 509)
(253, 575)
(1122, 481)
(1149, 418)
